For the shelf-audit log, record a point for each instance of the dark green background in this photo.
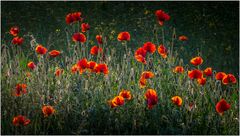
(212, 27)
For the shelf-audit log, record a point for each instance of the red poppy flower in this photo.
(123, 36)
(183, 38)
(126, 94)
(149, 47)
(208, 71)
(141, 59)
(17, 40)
(54, 53)
(102, 68)
(77, 16)
(140, 55)
(74, 68)
(92, 66)
(196, 61)
(58, 72)
(177, 100)
(220, 75)
(14, 31)
(69, 18)
(141, 51)
(48, 110)
(99, 39)
(151, 98)
(229, 78)
(112, 104)
(195, 74)
(31, 65)
(73, 17)
(20, 88)
(201, 81)
(82, 65)
(178, 69)
(161, 16)
(222, 106)
(116, 101)
(79, 37)
(162, 51)
(20, 120)
(41, 50)
(142, 82)
(85, 27)
(95, 50)
(147, 74)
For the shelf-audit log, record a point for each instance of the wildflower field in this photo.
(88, 79)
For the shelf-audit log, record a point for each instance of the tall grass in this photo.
(81, 100)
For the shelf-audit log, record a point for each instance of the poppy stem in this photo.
(87, 42)
(83, 49)
(68, 41)
(75, 52)
(163, 35)
(125, 44)
(155, 32)
(174, 33)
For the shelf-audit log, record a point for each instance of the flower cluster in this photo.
(140, 53)
(20, 120)
(14, 31)
(226, 78)
(199, 75)
(119, 100)
(83, 65)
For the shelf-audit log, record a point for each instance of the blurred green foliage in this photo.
(212, 27)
